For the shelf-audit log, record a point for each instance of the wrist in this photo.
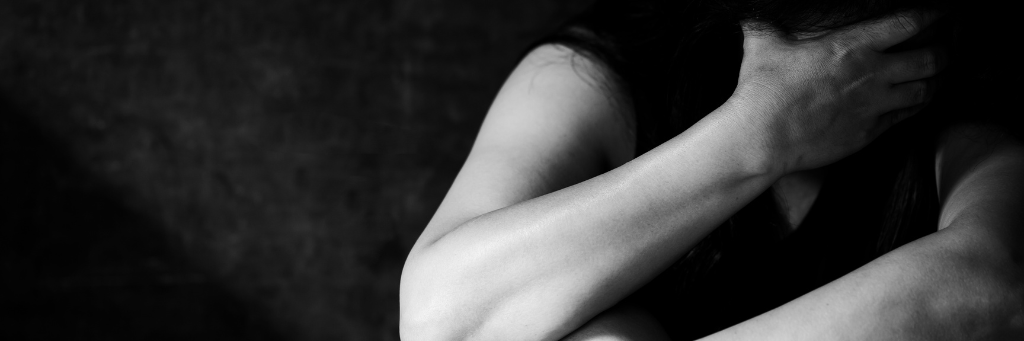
(746, 121)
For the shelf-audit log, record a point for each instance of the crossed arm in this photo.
(537, 237)
(963, 282)
(502, 260)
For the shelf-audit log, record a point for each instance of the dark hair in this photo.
(679, 60)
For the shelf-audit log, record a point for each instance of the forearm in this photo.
(941, 287)
(964, 282)
(938, 288)
(541, 268)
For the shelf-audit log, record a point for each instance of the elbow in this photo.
(436, 304)
(429, 309)
(445, 295)
(418, 328)
(414, 326)
(452, 322)
(991, 310)
(421, 313)
(997, 310)
(428, 319)
(971, 299)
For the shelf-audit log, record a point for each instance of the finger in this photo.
(896, 28)
(894, 117)
(909, 94)
(914, 65)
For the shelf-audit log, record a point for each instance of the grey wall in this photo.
(234, 169)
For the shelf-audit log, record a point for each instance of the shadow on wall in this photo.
(78, 264)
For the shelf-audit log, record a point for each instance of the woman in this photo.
(625, 147)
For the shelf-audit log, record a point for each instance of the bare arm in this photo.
(554, 261)
(964, 282)
(512, 255)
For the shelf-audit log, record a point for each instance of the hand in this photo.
(819, 99)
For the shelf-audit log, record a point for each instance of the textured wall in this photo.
(235, 169)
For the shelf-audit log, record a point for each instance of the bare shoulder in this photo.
(559, 116)
(557, 121)
(564, 85)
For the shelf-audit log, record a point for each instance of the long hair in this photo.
(679, 60)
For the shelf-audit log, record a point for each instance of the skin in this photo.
(552, 221)
(960, 283)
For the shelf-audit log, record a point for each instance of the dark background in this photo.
(238, 169)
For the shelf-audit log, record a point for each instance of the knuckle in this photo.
(908, 23)
(841, 51)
